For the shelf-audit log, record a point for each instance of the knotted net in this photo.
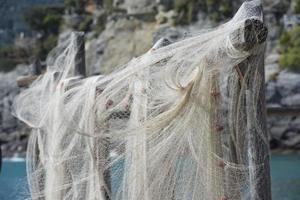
(179, 122)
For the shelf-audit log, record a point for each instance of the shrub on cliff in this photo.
(46, 21)
(77, 6)
(297, 7)
(186, 11)
(43, 19)
(290, 49)
(10, 56)
(217, 10)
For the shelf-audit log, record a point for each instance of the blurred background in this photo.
(116, 31)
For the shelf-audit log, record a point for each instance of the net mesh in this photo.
(179, 122)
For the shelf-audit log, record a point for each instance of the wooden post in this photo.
(257, 151)
(80, 68)
(37, 67)
(252, 33)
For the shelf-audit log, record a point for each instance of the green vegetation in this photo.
(7, 65)
(10, 56)
(85, 24)
(186, 11)
(297, 7)
(43, 19)
(86, 21)
(76, 6)
(290, 48)
(217, 10)
(46, 21)
(108, 6)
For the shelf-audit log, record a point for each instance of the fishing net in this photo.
(181, 122)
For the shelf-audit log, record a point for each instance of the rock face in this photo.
(284, 91)
(139, 6)
(284, 132)
(122, 40)
(132, 32)
(13, 133)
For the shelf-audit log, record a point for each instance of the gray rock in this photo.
(72, 20)
(274, 29)
(166, 17)
(291, 21)
(94, 55)
(295, 124)
(291, 101)
(272, 58)
(271, 71)
(271, 92)
(8, 121)
(117, 44)
(167, 4)
(134, 7)
(118, 3)
(8, 90)
(278, 7)
(278, 131)
(290, 134)
(278, 125)
(169, 32)
(293, 141)
(288, 83)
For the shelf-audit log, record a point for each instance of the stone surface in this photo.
(164, 17)
(169, 32)
(11, 130)
(283, 91)
(130, 32)
(291, 101)
(295, 123)
(138, 6)
(288, 83)
(293, 141)
(73, 20)
(272, 95)
(122, 40)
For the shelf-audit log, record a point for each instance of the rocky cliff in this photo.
(121, 29)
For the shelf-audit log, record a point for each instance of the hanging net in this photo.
(180, 122)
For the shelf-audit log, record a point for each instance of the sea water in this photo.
(285, 173)
(285, 177)
(13, 182)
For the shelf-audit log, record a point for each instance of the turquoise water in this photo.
(285, 172)
(13, 183)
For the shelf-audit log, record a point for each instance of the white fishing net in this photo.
(181, 122)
